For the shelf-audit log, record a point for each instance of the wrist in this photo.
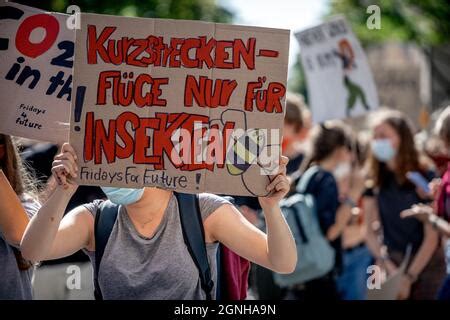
(349, 201)
(412, 277)
(269, 208)
(383, 258)
(433, 220)
(355, 194)
(66, 193)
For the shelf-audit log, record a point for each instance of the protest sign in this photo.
(36, 52)
(390, 288)
(338, 77)
(183, 105)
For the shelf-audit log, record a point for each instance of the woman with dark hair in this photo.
(393, 157)
(17, 205)
(330, 158)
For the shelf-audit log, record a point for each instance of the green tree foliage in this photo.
(206, 10)
(425, 22)
(297, 80)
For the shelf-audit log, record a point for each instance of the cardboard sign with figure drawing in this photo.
(339, 79)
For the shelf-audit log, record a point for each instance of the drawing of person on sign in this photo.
(347, 56)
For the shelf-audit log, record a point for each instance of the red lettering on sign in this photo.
(23, 43)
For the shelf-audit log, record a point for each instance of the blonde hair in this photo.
(20, 180)
(15, 170)
(442, 127)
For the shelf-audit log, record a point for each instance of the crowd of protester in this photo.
(381, 196)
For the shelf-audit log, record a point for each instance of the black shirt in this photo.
(392, 198)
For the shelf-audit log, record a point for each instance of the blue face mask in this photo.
(123, 196)
(383, 150)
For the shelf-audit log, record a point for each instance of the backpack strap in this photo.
(306, 178)
(193, 234)
(299, 224)
(219, 283)
(105, 219)
(194, 237)
(301, 188)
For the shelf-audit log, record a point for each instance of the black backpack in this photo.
(193, 234)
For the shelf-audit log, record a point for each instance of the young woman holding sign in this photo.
(145, 256)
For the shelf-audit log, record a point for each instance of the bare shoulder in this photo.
(221, 215)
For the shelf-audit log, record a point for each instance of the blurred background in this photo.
(409, 57)
(410, 50)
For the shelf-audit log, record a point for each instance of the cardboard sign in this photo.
(339, 80)
(183, 105)
(36, 54)
(390, 289)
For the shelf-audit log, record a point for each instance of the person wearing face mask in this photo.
(145, 256)
(393, 155)
(439, 153)
(330, 158)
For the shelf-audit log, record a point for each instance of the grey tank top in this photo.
(135, 267)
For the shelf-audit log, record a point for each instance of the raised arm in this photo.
(13, 218)
(49, 235)
(425, 252)
(426, 214)
(276, 250)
